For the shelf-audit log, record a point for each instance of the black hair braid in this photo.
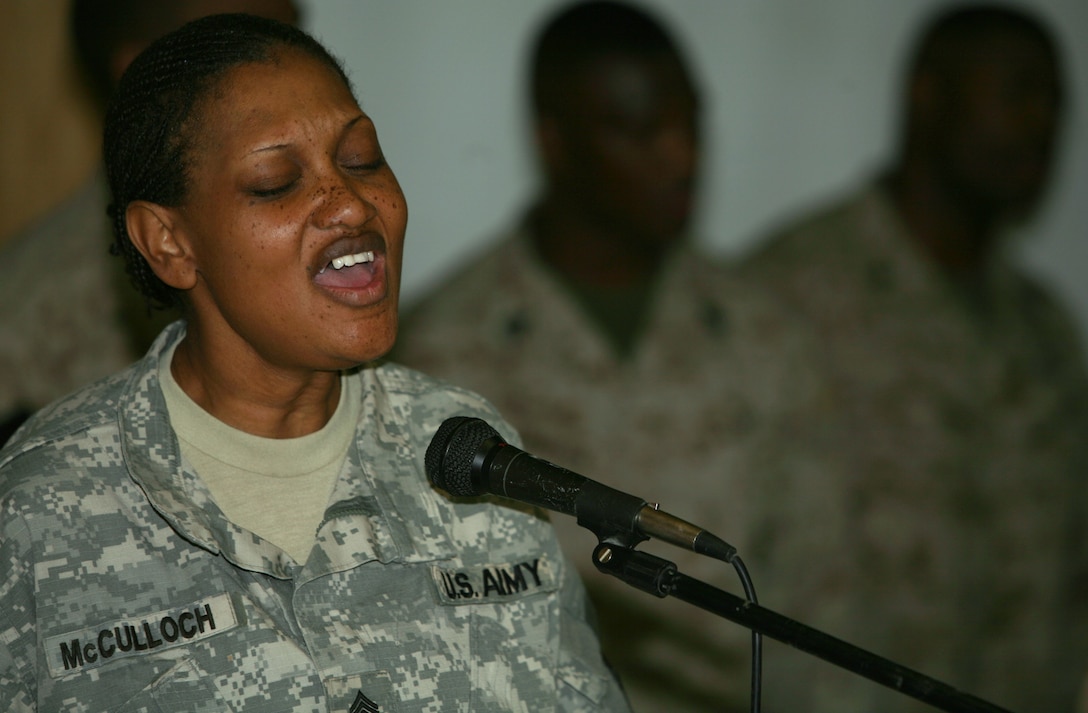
(154, 116)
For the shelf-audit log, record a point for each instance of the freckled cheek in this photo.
(395, 210)
(262, 255)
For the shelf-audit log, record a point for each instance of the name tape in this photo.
(97, 645)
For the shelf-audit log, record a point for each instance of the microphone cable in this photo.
(756, 684)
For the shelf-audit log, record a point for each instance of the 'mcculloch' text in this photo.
(174, 627)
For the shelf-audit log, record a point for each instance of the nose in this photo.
(341, 203)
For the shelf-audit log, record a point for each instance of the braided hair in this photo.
(154, 116)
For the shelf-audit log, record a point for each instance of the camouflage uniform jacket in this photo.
(125, 589)
(714, 415)
(963, 482)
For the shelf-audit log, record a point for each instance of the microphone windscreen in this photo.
(453, 449)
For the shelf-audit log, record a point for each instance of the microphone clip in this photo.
(642, 570)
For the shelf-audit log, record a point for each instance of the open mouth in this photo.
(339, 263)
(354, 271)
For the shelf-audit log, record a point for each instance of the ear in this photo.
(153, 229)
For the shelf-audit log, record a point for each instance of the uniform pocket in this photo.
(183, 687)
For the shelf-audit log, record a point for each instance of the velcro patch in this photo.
(92, 647)
(492, 582)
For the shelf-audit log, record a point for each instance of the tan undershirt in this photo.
(277, 488)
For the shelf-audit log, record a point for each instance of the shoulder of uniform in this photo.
(812, 231)
(400, 380)
(427, 401)
(68, 419)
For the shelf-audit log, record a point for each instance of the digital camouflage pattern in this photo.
(962, 492)
(716, 415)
(125, 589)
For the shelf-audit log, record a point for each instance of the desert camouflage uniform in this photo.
(125, 589)
(68, 314)
(713, 415)
(964, 489)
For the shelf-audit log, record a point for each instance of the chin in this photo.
(375, 349)
(368, 339)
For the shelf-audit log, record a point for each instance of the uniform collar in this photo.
(372, 499)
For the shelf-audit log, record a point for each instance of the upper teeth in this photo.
(349, 260)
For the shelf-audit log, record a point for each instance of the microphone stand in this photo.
(661, 578)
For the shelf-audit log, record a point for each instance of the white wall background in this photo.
(800, 99)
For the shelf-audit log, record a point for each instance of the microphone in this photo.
(467, 457)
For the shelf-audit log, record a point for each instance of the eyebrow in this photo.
(274, 147)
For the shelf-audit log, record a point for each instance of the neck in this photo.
(249, 395)
(590, 254)
(958, 237)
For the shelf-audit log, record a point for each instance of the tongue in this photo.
(347, 278)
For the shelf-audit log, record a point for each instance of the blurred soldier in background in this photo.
(622, 351)
(959, 376)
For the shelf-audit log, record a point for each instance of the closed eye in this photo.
(364, 167)
(272, 191)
